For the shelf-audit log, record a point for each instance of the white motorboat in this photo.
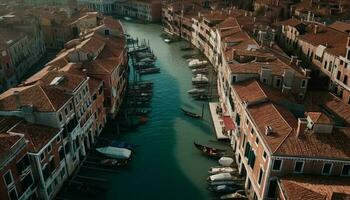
(224, 188)
(166, 40)
(197, 63)
(195, 91)
(127, 18)
(200, 71)
(115, 152)
(235, 195)
(226, 161)
(220, 177)
(200, 78)
(218, 170)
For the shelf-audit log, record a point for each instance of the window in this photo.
(52, 164)
(49, 148)
(13, 194)
(247, 150)
(46, 173)
(264, 155)
(42, 156)
(66, 111)
(251, 159)
(298, 167)
(256, 140)
(261, 172)
(303, 83)
(345, 81)
(61, 153)
(234, 79)
(278, 83)
(327, 168)
(60, 117)
(247, 122)
(58, 139)
(338, 75)
(70, 106)
(252, 131)
(27, 181)
(8, 178)
(346, 170)
(243, 141)
(23, 164)
(67, 148)
(277, 165)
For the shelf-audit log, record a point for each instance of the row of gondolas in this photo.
(200, 79)
(224, 179)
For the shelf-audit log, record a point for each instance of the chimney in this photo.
(246, 13)
(268, 130)
(254, 19)
(316, 29)
(302, 126)
(293, 60)
(17, 99)
(298, 63)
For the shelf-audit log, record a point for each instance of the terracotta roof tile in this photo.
(37, 135)
(315, 187)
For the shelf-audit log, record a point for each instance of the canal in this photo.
(166, 165)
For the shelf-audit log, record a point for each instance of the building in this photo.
(145, 10)
(15, 169)
(22, 46)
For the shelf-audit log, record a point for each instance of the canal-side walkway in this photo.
(217, 121)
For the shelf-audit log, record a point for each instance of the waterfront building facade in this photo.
(144, 10)
(276, 133)
(61, 110)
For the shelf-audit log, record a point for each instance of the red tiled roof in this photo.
(43, 99)
(38, 135)
(291, 22)
(319, 118)
(341, 26)
(6, 143)
(334, 40)
(315, 187)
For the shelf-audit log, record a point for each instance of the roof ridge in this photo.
(291, 131)
(47, 97)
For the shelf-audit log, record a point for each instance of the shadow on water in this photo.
(166, 165)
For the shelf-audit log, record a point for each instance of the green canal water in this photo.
(166, 165)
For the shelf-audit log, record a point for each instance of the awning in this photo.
(228, 122)
(319, 51)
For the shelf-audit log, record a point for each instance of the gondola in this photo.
(191, 114)
(209, 151)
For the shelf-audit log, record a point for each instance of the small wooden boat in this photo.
(224, 188)
(115, 152)
(191, 114)
(209, 151)
(202, 97)
(150, 70)
(237, 195)
(200, 71)
(218, 170)
(114, 163)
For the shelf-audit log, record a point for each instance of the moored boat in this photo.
(150, 70)
(200, 78)
(237, 195)
(121, 144)
(226, 161)
(191, 114)
(167, 40)
(200, 71)
(197, 63)
(224, 188)
(195, 91)
(114, 163)
(209, 151)
(217, 170)
(220, 177)
(115, 152)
